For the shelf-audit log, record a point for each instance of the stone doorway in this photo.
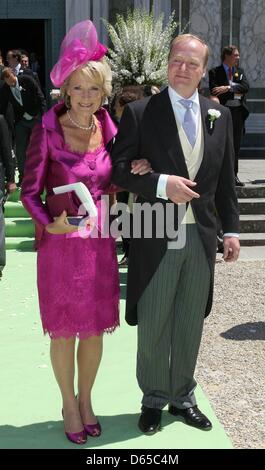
(27, 35)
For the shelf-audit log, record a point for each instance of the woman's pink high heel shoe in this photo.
(93, 430)
(76, 437)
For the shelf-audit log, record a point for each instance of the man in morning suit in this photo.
(229, 84)
(7, 182)
(28, 103)
(169, 291)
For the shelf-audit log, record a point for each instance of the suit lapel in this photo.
(224, 79)
(21, 84)
(12, 98)
(206, 134)
(165, 123)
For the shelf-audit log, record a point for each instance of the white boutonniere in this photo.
(21, 88)
(213, 114)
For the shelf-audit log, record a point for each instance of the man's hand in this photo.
(61, 225)
(231, 248)
(141, 167)
(178, 189)
(11, 187)
(219, 90)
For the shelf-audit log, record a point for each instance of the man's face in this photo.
(186, 66)
(24, 62)
(233, 59)
(12, 61)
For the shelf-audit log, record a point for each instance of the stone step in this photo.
(252, 205)
(15, 197)
(19, 227)
(252, 239)
(252, 223)
(252, 153)
(15, 209)
(251, 190)
(20, 244)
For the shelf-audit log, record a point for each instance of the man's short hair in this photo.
(7, 73)
(184, 37)
(228, 50)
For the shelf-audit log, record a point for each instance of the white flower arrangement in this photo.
(140, 48)
(213, 114)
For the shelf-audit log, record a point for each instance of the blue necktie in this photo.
(189, 123)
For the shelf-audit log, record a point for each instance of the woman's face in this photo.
(85, 95)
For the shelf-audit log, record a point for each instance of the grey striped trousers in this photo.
(170, 321)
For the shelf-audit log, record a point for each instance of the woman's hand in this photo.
(61, 225)
(141, 167)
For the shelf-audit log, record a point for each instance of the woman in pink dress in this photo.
(78, 281)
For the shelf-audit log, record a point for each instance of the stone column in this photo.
(142, 4)
(252, 41)
(76, 11)
(205, 21)
(101, 10)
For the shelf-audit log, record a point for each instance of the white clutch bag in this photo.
(84, 196)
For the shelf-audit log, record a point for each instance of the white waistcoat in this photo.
(193, 158)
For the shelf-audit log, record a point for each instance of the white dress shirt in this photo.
(16, 69)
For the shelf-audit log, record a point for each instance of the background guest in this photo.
(28, 103)
(7, 182)
(229, 84)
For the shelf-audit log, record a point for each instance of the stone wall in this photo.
(76, 11)
(252, 41)
(205, 21)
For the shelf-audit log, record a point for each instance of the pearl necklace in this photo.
(76, 124)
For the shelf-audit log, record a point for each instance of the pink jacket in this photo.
(51, 163)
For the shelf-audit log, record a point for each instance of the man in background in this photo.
(7, 182)
(28, 103)
(229, 84)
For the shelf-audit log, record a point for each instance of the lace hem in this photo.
(67, 333)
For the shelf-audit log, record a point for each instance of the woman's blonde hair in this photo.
(98, 72)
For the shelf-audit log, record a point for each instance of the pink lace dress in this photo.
(78, 282)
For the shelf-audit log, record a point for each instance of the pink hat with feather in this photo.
(79, 46)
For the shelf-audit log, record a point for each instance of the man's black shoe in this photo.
(238, 182)
(193, 416)
(150, 420)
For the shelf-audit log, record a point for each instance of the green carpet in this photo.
(30, 401)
